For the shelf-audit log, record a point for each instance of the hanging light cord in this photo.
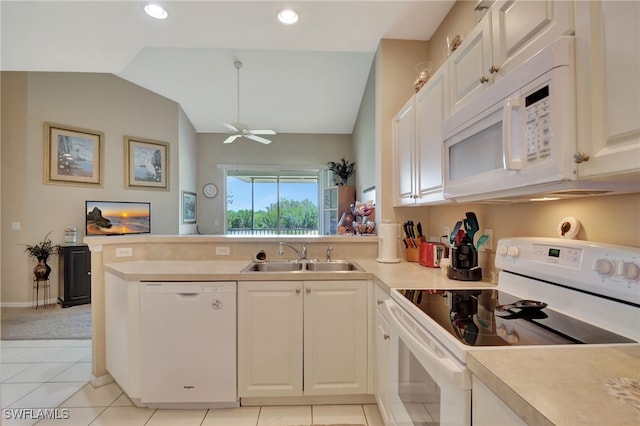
(238, 65)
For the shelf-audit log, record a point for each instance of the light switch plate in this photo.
(124, 252)
(223, 251)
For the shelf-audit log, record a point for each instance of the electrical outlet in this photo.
(124, 252)
(489, 244)
(223, 251)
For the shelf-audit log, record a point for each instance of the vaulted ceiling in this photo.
(304, 78)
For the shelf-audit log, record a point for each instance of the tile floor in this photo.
(54, 374)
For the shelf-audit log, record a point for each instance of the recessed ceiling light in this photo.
(544, 199)
(287, 16)
(156, 11)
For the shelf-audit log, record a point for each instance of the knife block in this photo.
(413, 254)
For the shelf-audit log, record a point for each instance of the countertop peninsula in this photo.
(545, 386)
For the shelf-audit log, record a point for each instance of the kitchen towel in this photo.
(388, 235)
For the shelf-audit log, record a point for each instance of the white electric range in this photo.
(549, 292)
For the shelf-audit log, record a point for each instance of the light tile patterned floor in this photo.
(54, 374)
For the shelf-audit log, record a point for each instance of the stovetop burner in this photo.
(488, 317)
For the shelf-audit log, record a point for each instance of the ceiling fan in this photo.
(238, 129)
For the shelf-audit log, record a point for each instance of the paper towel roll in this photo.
(388, 235)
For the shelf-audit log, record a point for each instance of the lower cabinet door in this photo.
(335, 337)
(270, 338)
(302, 338)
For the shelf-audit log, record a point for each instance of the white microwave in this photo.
(518, 133)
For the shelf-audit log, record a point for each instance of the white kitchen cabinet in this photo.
(418, 139)
(383, 356)
(295, 332)
(404, 137)
(522, 28)
(469, 65)
(335, 337)
(270, 338)
(507, 36)
(608, 82)
(487, 409)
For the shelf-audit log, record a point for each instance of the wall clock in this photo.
(210, 190)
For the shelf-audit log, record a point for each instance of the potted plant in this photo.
(42, 251)
(343, 170)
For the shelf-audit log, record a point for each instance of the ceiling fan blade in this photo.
(231, 138)
(262, 132)
(231, 127)
(258, 139)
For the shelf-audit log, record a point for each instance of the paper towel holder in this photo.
(388, 237)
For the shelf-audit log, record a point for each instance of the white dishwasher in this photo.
(188, 344)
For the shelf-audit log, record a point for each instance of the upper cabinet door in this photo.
(469, 65)
(511, 33)
(431, 109)
(404, 134)
(522, 28)
(608, 100)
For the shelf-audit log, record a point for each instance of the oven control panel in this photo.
(605, 269)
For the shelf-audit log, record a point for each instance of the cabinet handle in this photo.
(297, 291)
(379, 302)
(483, 79)
(494, 69)
(308, 290)
(580, 157)
(386, 336)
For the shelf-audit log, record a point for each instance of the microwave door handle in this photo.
(509, 163)
(445, 367)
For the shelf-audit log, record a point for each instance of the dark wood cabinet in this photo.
(74, 275)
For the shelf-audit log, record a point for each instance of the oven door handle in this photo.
(442, 368)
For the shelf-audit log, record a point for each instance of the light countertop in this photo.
(565, 385)
(545, 386)
(391, 275)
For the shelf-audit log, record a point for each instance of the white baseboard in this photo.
(102, 380)
(53, 301)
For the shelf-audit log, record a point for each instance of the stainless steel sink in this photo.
(302, 266)
(333, 266)
(274, 266)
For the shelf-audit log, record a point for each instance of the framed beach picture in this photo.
(147, 163)
(189, 207)
(72, 155)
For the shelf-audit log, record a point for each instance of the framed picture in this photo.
(189, 207)
(147, 163)
(72, 155)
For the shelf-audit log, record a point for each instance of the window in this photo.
(272, 202)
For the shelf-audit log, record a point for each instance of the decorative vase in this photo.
(42, 270)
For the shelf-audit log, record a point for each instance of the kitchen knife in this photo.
(455, 231)
(419, 226)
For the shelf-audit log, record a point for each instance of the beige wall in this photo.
(187, 156)
(364, 137)
(306, 150)
(395, 74)
(95, 101)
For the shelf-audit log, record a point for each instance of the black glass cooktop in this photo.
(494, 318)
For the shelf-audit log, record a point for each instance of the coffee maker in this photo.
(464, 256)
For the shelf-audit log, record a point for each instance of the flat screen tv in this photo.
(117, 218)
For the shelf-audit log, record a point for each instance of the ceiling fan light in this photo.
(155, 11)
(287, 16)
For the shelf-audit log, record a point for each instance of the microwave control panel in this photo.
(538, 125)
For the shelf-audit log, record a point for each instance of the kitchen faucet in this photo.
(302, 253)
(329, 250)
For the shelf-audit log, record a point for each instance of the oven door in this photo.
(427, 385)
